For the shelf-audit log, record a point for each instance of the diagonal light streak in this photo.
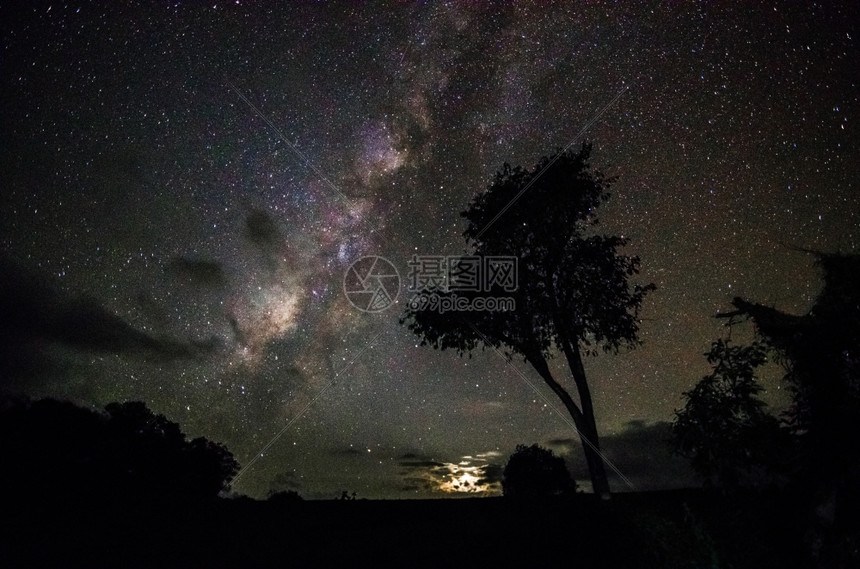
(292, 146)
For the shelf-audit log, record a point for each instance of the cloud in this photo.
(262, 231)
(34, 315)
(420, 473)
(200, 272)
(642, 454)
(285, 481)
(492, 474)
(421, 464)
(471, 475)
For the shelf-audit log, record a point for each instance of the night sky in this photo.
(184, 186)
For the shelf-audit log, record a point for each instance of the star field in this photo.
(207, 174)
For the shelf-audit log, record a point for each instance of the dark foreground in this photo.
(665, 529)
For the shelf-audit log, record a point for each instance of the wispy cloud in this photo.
(34, 311)
(201, 272)
(641, 451)
(469, 475)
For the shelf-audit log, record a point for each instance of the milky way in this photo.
(206, 174)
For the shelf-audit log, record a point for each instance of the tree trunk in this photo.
(596, 467)
(587, 430)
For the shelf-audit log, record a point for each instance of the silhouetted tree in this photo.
(821, 352)
(160, 461)
(56, 451)
(535, 472)
(724, 428)
(572, 290)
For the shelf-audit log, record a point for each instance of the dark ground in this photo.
(661, 529)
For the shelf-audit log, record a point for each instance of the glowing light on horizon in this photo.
(464, 479)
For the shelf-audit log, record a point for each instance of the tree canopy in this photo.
(533, 472)
(724, 427)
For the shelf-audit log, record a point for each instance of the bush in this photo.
(534, 472)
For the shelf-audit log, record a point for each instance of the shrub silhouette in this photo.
(534, 473)
(285, 497)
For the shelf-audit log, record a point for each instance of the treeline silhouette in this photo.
(58, 453)
(810, 453)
